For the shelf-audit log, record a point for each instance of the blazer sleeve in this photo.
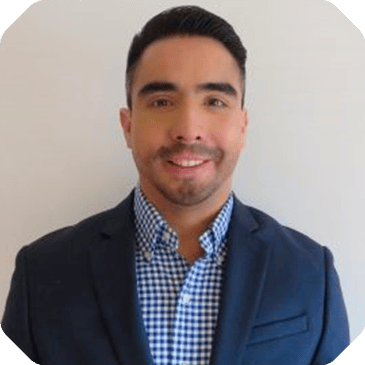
(16, 322)
(335, 333)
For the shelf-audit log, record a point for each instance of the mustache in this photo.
(198, 149)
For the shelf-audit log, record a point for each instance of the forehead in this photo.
(187, 61)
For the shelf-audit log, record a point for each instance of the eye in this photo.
(160, 103)
(216, 103)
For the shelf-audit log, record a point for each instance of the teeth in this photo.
(190, 163)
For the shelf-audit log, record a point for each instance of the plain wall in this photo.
(63, 153)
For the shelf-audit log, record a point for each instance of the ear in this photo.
(243, 127)
(244, 119)
(126, 122)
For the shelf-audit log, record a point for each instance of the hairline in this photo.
(132, 71)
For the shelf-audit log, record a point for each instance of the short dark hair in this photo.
(184, 21)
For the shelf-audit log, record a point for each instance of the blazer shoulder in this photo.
(76, 238)
(284, 238)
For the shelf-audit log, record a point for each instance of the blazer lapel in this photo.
(113, 268)
(246, 268)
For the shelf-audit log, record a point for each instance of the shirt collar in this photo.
(153, 229)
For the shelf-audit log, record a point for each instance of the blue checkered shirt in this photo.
(179, 301)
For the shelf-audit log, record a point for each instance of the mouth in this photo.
(187, 166)
(188, 171)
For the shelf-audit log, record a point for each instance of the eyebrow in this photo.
(223, 87)
(153, 87)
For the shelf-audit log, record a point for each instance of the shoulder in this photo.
(73, 240)
(285, 243)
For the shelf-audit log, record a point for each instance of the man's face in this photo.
(186, 105)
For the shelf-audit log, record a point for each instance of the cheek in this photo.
(147, 139)
(145, 126)
(230, 137)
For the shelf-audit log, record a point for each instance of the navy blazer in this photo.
(73, 298)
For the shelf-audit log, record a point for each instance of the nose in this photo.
(188, 125)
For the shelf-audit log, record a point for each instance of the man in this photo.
(180, 272)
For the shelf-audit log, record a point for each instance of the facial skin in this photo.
(188, 118)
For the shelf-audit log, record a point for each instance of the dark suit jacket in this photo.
(73, 297)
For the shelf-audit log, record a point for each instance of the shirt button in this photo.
(220, 259)
(148, 255)
(187, 299)
(166, 236)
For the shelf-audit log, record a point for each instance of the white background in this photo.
(63, 156)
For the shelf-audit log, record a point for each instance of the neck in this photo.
(189, 222)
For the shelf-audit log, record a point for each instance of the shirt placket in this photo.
(186, 323)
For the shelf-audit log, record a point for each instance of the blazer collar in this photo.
(246, 267)
(112, 261)
(113, 268)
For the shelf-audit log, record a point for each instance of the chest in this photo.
(180, 305)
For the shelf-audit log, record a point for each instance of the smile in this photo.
(188, 163)
(188, 169)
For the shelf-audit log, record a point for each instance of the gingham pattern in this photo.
(179, 301)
